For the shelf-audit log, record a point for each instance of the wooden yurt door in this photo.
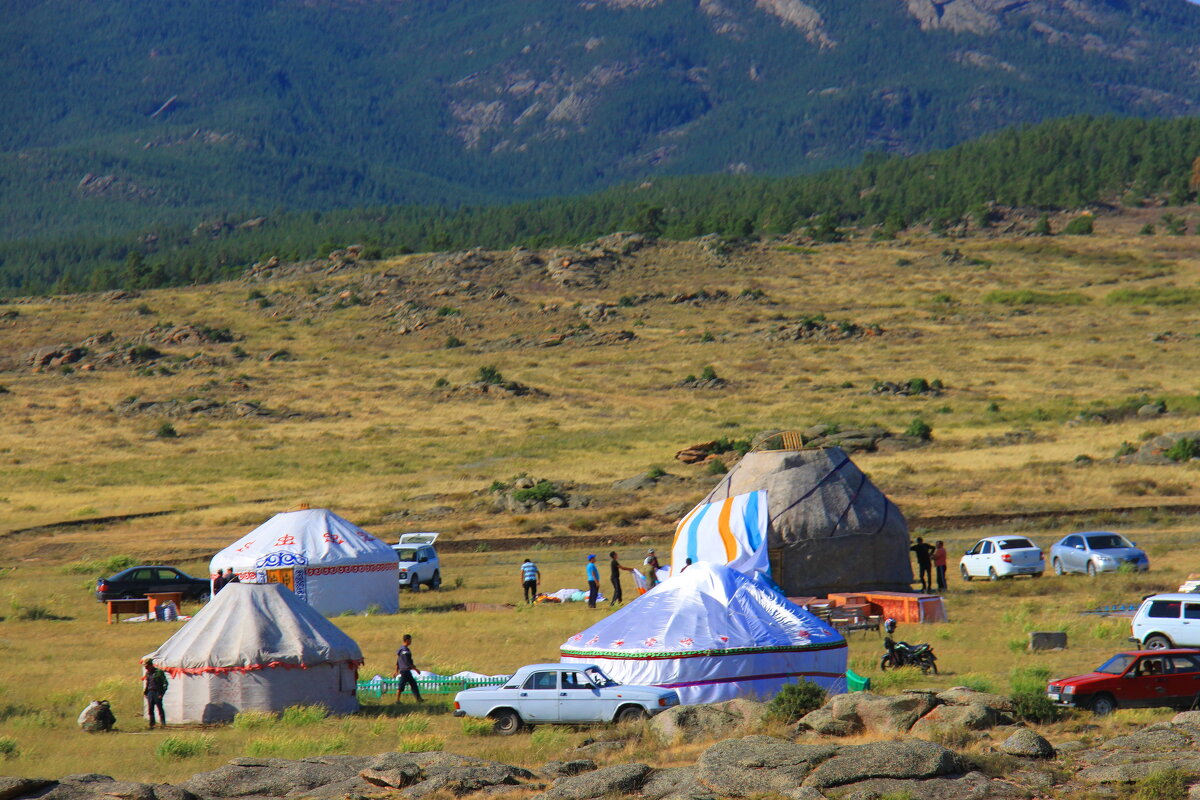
(285, 576)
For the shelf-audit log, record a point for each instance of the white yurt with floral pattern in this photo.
(326, 560)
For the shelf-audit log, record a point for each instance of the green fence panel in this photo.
(431, 685)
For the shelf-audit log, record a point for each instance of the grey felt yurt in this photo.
(830, 529)
(257, 647)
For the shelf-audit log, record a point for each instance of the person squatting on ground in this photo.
(651, 565)
(97, 717)
(593, 579)
(405, 667)
(154, 686)
(939, 564)
(615, 568)
(529, 580)
(924, 564)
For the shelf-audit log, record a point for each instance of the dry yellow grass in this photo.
(374, 437)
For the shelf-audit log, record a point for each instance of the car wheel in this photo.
(203, 597)
(631, 714)
(1058, 569)
(1091, 569)
(415, 584)
(1103, 705)
(436, 583)
(966, 576)
(992, 576)
(1157, 642)
(506, 722)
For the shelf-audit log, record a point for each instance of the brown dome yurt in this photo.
(829, 528)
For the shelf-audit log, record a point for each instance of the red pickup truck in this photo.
(1138, 679)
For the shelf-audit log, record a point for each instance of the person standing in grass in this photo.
(615, 575)
(405, 667)
(924, 553)
(154, 686)
(593, 579)
(939, 563)
(529, 580)
(651, 565)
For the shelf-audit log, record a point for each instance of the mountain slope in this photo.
(176, 109)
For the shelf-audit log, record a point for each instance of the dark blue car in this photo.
(140, 581)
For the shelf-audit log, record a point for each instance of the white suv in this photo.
(418, 561)
(1168, 620)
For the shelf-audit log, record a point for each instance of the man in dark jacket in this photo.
(405, 667)
(615, 575)
(924, 553)
(154, 686)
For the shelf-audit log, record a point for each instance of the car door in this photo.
(971, 559)
(538, 697)
(1148, 683)
(1074, 556)
(579, 699)
(139, 582)
(1187, 632)
(1184, 680)
(167, 580)
(983, 561)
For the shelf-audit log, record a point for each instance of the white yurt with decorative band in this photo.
(257, 648)
(713, 634)
(326, 560)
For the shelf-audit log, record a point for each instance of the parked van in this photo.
(1168, 620)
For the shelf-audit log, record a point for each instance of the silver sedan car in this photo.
(1096, 551)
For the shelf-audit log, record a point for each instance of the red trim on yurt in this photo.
(175, 672)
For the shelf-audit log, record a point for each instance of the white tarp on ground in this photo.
(732, 531)
(713, 634)
(332, 563)
(257, 648)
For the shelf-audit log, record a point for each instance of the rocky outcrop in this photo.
(689, 723)
(923, 714)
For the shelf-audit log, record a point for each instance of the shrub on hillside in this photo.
(919, 429)
(795, 700)
(1083, 225)
(1184, 449)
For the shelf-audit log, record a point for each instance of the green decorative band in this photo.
(735, 651)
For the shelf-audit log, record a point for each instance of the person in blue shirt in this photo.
(593, 578)
(529, 580)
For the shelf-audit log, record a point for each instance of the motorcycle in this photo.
(903, 654)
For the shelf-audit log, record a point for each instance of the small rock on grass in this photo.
(1027, 744)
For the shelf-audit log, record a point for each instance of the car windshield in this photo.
(599, 678)
(1015, 544)
(407, 555)
(1107, 541)
(1116, 665)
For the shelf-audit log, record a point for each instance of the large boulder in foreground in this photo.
(859, 711)
(758, 765)
(714, 721)
(911, 759)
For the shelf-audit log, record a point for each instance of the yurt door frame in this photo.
(290, 569)
(286, 576)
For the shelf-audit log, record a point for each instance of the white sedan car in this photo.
(998, 557)
(561, 693)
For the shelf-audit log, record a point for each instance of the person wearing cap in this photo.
(593, 579)
(651, 564)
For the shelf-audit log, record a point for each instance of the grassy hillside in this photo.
(1062, 164)
(349, 386)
